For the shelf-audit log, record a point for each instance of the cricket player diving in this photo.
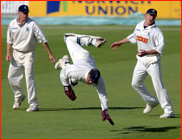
(150, 41)
(22, 36)
(83, 68)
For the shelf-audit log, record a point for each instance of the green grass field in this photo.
(61, 118)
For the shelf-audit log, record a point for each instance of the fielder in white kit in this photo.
(150, 41)
(22, 35)
(83, 68)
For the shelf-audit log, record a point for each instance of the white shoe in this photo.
(167, 115)
(32, 108)
(57, 65)
(63, 62)
(17, 104)
(149, 108)
(96, 41)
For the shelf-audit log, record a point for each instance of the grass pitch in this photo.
(61, 118)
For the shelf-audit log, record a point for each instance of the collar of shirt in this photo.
(19, 22)
(86, 75)
(148, 27)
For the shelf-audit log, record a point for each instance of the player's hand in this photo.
(52, 58)
(142, 53)
(115, 45)
(8, 57)
(69, 92)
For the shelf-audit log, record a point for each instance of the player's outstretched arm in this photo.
(115, 45)
(51, 57)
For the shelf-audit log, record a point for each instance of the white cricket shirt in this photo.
(79, 72)
(147, 38)
(25, 38)
(76, 72)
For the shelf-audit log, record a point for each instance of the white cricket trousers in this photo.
(21, 62)
(77, 53)
(154, 70)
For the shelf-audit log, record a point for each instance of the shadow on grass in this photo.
(176, 116)
(94, 108)
(87, 108)
(146, 129)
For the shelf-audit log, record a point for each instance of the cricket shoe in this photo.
(96, 41)
(17, 104)
(149, 108)
(32, 108)
(57, 65)
(105, 116)
(167, 115)
(63, 62)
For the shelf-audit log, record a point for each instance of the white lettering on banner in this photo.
(107, 7)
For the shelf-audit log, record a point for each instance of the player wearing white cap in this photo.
(22, 36)
(150, 41)
(83, 68)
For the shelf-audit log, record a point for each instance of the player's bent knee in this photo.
(134, 85)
